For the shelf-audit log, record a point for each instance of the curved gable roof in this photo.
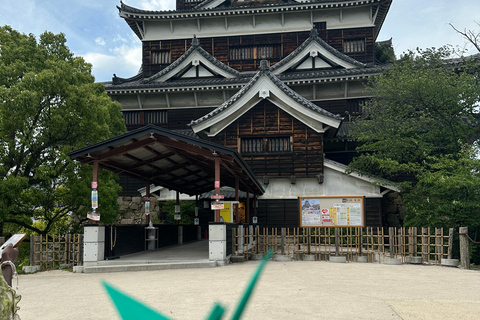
(315, 48)
(195, 55)
(265, 85)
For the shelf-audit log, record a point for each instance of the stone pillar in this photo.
(464, 248)
(217, 243)
(93, 244)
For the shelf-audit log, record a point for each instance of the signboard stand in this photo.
(341, 211)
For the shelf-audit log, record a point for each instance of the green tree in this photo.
(420, 129)
(50, 105)
(421, 107)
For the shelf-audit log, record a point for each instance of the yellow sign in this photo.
(226, 212)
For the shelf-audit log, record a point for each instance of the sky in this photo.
(95, 31)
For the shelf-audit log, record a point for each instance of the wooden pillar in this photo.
(235, 206)
(247, 208)
(147, 198)
(464, 248)
(255, 205)
(217, 184)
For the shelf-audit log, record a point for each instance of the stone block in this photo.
(30, 269)
(308, 257)
(338, 259)
(136, 199)
(362, 259)
(414, 260)
(78, 269)
(392, 261)
(127, 221)
(450, 262)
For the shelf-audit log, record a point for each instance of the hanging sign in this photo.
(94, 185)
(93, 216)
(196, 221)
(177, 217)
(217, 196)
(217, 184)
(254, 220)
(196, 211)
(94, 199)
(217, 205)
(332, 211)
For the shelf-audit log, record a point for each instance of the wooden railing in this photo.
(428, 245)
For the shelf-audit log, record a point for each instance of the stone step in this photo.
(148, 266)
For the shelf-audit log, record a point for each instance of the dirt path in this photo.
(287, 290)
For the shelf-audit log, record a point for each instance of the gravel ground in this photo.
(286, 290)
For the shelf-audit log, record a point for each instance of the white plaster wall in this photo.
(245, 24)
(335, 184)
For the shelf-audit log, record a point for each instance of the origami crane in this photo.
(131, 309)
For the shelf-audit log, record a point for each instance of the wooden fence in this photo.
(50, 252)
(429, 245)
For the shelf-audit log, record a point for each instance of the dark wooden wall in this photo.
(267, 120)
(219, 47)
(284, 213)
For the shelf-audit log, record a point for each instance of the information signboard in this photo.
(342, 211)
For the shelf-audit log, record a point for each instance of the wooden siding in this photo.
(219, 47)
(280, 213)
(177, 119)
(267, 120)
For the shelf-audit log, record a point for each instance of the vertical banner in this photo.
(147, 207)
(94, 199)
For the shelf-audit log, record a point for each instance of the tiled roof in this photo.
(265, 70)
(315, 38)
(194, 48)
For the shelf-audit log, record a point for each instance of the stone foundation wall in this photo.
(132, 210)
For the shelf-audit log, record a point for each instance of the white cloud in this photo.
(100, 41)
(124, 61)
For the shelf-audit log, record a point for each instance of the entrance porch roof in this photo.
(170, 159)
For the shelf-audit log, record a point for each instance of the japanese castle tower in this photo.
(276, 80)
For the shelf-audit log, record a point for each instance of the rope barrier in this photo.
(468, 237)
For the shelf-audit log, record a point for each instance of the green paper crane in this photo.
(131, 309)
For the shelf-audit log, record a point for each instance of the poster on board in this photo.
(346, 211)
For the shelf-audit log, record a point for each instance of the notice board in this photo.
(341, 211)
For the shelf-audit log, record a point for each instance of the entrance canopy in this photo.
(170, 159)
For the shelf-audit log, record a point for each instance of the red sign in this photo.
(217, 196)
(217, 184)
(94, 184)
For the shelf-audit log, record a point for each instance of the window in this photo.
(353, 45)
(155, 117)
(255, 52)
(131, 118)
(265, 145)
(254, 145)
(161, 57)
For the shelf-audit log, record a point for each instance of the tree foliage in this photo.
(421, 107)
(420, 129)
(50, 106)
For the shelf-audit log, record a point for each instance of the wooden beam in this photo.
(125, 148)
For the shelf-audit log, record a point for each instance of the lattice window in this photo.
(353, 45)
(155, 117)
(161, 57)
(252, 145)
(265, 145)
(255, 52)
(278, 144)
(132, 118)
